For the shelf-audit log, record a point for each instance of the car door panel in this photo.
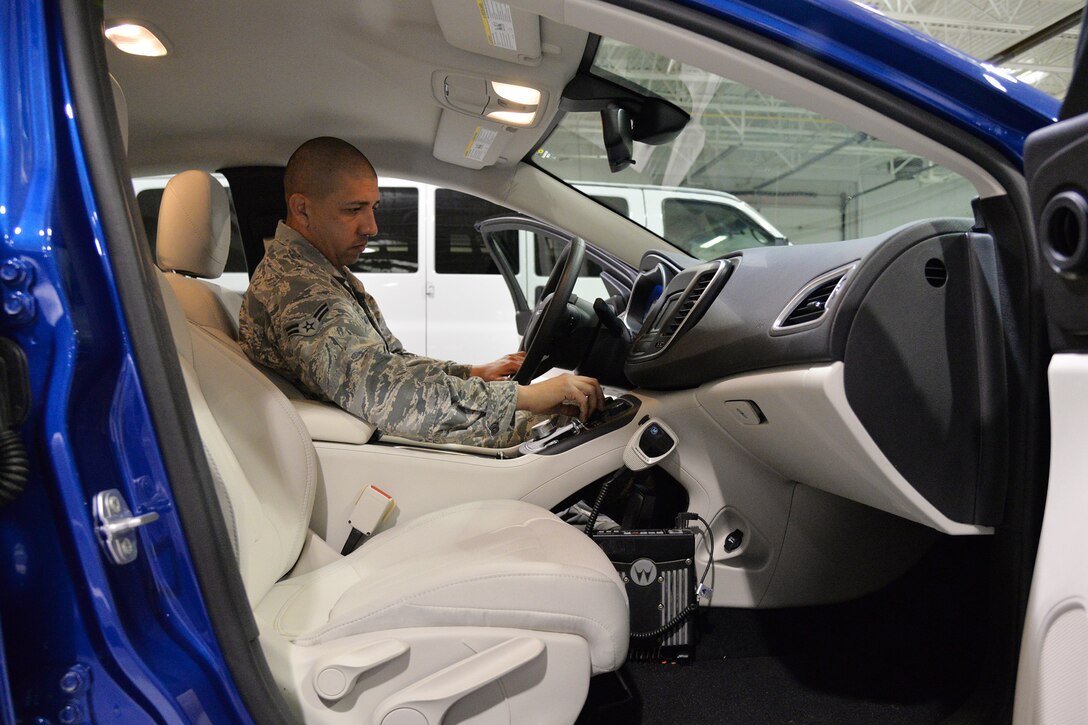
(1053, 664)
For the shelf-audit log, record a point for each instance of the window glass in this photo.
(149, 201)
(788, 172)
(1032, 41)
(458, 247)
(707, 230)
(615, 203)
(396, 247)
(548, 250)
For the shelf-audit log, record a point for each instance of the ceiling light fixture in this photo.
(520, 95)
(136, 39)
(514, 118)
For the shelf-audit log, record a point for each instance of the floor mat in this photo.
(911, 653)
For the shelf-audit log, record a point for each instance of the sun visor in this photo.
(468, 141)
(490, 28)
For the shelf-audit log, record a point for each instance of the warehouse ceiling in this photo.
(1035, 40)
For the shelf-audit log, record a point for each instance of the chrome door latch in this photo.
(117, 526)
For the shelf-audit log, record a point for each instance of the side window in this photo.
(548, 250)
(396, 247)
(458, 247)
(707, 230)
(615, 203)
(149, 201)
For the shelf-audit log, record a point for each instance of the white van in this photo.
(445, 297)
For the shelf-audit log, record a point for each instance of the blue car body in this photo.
(83, 640)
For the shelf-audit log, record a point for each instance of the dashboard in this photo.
(902, 333)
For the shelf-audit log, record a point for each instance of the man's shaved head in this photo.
(315, 168)
(332, 193)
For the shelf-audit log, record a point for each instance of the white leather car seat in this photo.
(192, 248)
(193, 242)
(488, 612)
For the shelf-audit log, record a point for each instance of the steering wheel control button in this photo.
(745, 412)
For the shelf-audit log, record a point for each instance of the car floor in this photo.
(912, 652)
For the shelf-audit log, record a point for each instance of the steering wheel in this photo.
(548, 316)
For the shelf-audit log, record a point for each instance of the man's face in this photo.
(340, 224)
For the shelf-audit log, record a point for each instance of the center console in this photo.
(551, 436)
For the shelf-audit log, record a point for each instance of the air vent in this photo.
(813, 306)
(688, 303)
(809, 306)
(936, 273)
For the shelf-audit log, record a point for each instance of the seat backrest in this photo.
(192, 245)
(263, 461)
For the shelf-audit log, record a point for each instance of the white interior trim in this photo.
(812, 436)
(1053, 655)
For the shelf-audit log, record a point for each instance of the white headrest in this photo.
(194, 226)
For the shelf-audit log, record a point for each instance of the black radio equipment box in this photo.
(658, 568)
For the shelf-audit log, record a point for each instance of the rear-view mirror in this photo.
(618, 143)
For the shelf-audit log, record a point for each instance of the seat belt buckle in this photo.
(371, 508)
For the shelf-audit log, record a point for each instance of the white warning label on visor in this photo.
(498, 24)
(480, 143)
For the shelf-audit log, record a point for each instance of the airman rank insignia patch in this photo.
(309, 325)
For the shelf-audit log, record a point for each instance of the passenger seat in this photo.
(493, 610)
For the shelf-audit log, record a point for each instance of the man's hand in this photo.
(574, 395)
(501, 369)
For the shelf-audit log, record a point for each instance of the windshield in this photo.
(1034, 41)
(748, 169)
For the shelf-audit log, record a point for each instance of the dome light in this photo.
(514, 118)
(135, 39)
(520, 95)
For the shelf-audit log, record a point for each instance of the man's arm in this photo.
(334, 351)
(502, 369)
(566, 394)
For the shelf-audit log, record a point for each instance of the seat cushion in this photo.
(485, 563)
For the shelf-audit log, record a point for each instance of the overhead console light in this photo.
(521, 95)
(135, 39)
(506, 103)
(514, 118)
(513, 104)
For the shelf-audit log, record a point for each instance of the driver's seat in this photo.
(489, 612)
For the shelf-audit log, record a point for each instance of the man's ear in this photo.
(298, 207)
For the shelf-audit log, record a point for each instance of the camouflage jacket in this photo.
(317, 326)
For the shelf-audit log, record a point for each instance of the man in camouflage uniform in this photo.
(308, 317)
